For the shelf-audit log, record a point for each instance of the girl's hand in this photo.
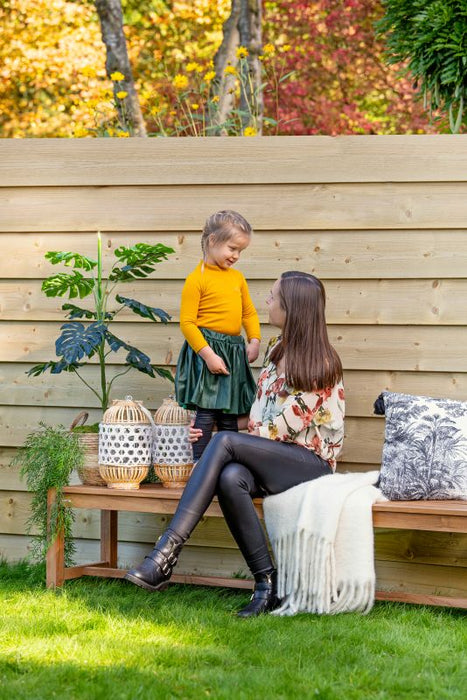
(194, 434)
(252, 349)
(215, 364)
(253, 428)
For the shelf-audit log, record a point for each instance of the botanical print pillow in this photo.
(425, 447)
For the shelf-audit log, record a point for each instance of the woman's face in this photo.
(276, 312)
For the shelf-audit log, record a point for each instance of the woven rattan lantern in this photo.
(125, 444)
(173, 454)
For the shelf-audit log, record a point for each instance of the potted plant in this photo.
(88, 334)
(78, 341)
(47, 458)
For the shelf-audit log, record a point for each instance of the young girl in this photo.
(213, 375)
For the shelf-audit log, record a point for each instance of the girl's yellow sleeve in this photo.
(191, 295)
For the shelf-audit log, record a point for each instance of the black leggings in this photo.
(205, 419)
(240, 467)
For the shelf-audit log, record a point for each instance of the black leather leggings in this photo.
(206, 419)
(239, 467)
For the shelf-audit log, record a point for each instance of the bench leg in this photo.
(109, 537)
(55, 558)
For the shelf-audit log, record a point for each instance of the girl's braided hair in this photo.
(223, 225)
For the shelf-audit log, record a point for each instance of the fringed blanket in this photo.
(321, 532)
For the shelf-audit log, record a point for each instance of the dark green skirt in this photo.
(196, 386)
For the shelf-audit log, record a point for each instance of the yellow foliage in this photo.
(52, 61)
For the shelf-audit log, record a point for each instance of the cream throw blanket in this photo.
(321, 533)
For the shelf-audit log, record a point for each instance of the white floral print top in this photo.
(312, 419)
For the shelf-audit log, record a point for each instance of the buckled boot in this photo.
(264, 598)
(155, 571)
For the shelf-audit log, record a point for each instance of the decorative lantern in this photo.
(125, 443)
(173, 454)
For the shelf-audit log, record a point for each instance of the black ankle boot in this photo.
(264, 598)
(155, 571)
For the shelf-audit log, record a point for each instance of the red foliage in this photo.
(341, 84)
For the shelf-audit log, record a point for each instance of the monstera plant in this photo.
(88, 333)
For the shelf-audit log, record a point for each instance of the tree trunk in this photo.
(129, 110)
(251, 96)
(242, 28)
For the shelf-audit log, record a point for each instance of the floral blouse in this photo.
(312, 419)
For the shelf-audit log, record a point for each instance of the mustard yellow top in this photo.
(219, 300)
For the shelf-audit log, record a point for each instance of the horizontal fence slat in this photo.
(285, 207)
(26, 162)
(361, 387)
(17, 422)
(407, 348)
(414, 302)
(338, 255)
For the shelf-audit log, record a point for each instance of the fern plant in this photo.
(80, 341)
(431, 37)
(47, 458)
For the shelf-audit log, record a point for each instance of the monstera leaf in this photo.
(75, 284)
(137, 307)
(53, 367)
(140, 260)
(71, 260)
(77, 341)
(136, 358)
(78, 312)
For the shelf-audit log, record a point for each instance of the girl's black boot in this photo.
(264, 598)
(155, 571)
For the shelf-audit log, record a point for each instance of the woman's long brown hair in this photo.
(311, 363)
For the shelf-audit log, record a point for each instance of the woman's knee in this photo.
(223, 439)
(233, 477)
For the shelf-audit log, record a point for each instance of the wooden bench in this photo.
(436, 516)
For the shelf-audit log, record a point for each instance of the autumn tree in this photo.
(341, 83)
(53, 79)
(242, 31)
(118, 66)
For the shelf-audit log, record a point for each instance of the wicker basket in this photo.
(125, 444)
(89, 472)
(173, 455)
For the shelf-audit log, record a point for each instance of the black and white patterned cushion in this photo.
(425, 447)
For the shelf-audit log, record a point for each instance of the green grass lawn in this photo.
(109, 639)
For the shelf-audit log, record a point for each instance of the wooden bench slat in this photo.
(437, 516)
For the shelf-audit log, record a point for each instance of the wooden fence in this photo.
(381, 220)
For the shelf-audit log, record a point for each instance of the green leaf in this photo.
(165, 373)
(140, 260)
(78, 341)
(136, 358)
(53, 367)
(75, 284)
(140, 309)
(71, 260)
(78, 312)
(287, 76)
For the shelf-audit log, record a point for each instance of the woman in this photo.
(295, 433)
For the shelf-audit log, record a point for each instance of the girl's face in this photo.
(276, 312)
(226, 254)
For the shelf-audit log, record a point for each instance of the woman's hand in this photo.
(194, 434)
